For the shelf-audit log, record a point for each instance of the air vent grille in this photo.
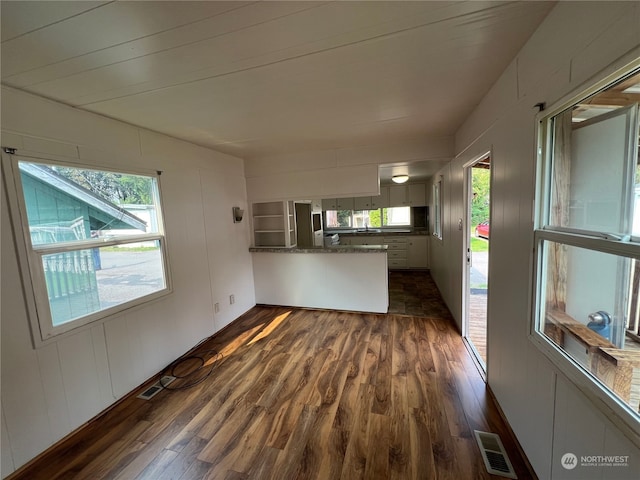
(495, 458)
(154, 389)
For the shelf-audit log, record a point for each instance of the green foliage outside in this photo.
(480, 203)
(377, 221)
(116, 187)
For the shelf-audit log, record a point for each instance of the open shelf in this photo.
(274, 224)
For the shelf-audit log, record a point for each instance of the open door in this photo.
(477, 238)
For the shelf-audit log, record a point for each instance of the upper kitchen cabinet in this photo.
(411, 195)
(274, 224)
(382, 200)
(337, 204)
(372, 203)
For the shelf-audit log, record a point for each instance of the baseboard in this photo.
(514, 439)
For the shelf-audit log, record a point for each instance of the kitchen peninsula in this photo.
(340, 277)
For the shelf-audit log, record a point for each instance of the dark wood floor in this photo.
(302, 394)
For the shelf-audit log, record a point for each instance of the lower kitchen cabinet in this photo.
(410, 251)
(418, 251)
(397, 251)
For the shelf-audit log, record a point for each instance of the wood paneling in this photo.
(302, 394)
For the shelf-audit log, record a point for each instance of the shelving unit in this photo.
(274, 224)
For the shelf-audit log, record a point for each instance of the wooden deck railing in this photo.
(611, 365)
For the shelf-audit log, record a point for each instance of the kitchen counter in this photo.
(344, 278)
(336, 249)
(377, 232)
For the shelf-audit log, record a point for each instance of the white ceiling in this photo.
(259, 78)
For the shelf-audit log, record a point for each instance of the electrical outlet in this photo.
(216, 308)
(232, 299)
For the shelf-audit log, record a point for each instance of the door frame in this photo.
(483, 366)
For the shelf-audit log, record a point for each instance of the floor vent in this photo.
(156, 387)
(495, 458)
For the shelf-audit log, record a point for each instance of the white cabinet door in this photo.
(337, 203)
(418, 251)
(365, 240)
(411, 195)
(397, 195)
(416, 194)
(328, 204)
(362, 203)
(382, 200)
(344, 203)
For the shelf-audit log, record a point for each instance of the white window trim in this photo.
(360, 229)
(29, 257)
(437, 211)
(607, 403)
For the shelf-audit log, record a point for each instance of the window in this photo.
(93, 241)
(378, 218)
(437, 209)
(587, 243)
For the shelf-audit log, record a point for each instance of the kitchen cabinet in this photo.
(361, 240)
(382, 200)
(274, 224)
(407, 251)
(337, 204)
(374, 202)
(396, 251)
(410, 195)
(418, 251)
(362, 203)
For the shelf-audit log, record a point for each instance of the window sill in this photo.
(106, 316)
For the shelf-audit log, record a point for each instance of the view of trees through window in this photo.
(116, 187)
(378, 218)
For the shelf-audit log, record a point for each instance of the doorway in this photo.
(476, 245)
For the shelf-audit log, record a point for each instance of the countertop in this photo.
(377, 232)
(336, 249)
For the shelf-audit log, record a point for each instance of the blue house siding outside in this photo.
(59, 210)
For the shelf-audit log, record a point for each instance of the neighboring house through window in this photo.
(93, 242)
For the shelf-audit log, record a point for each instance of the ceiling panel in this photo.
(258, 78)
(20, 17)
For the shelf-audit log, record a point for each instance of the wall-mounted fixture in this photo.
(400, 178)
(237, 214)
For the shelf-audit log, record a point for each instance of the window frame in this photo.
(437, 208)
(613, 407)
(30, 256)
(382, 227)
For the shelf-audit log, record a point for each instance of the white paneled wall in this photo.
(549, 415)
(336, 173)
(7, 458)
(50, 391)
